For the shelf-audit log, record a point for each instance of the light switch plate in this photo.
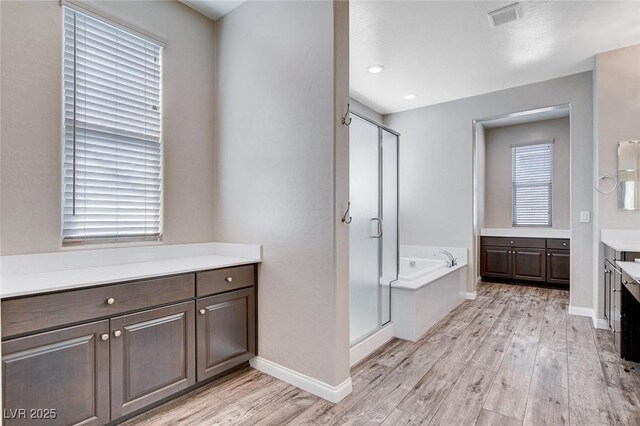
(585, 216)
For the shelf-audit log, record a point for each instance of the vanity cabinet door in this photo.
(496, 262)
(529, 264)
(66, 370)
(558, 266)
(226, 331)
(152, 356)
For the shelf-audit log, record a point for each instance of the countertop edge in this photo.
(620, 246)
(631, 268)
(526, 233)
(56, 287)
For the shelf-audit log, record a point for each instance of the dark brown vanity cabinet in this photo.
(66, 371)
(525, 259)
(145, 341)
(558, 262)
(529, 264)
(152, 356)
(496, 261)
(226, 331)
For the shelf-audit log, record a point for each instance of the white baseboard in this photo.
(600, 323)
(323, 390)
(362, 349)
(469, 295)
(591, 313)
(580, 311)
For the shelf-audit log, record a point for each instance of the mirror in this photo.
(629, 175)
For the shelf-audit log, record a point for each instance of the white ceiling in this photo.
(446, 50)
(213, 9)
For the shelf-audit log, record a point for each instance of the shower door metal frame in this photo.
(381, 127)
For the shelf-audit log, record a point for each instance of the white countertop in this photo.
(17, 278)
(631, 268)
(621, 239)
(633, 246)
(526, 232)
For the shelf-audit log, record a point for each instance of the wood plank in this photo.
(186, 410)
(548, 402)
(400, 418)
(386, 396)
(429, 393)
(493, 348)
(464, 402)
(554, 325)
(489, 418)
(292, 403)
(510, 389)
(589, 401)
(325, 413)
(622, 379)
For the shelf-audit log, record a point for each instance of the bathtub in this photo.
(427, 290)
(413, 268)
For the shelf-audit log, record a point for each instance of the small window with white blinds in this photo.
(532, 171)
(112, 189)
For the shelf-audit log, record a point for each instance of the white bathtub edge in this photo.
(426, 279)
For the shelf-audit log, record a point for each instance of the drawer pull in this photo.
(117, 333)
(111, 301)
(104, 337)
(511, 242)
(228, 279)
(564, 244)
(202, 311)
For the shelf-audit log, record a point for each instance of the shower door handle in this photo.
(379, 227)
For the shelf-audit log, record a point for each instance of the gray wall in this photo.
(282, 177)
(617, 80)
(30, 113)
(498, 186)
(617, 117)
(436, 168)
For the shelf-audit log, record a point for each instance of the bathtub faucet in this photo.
(452, 260)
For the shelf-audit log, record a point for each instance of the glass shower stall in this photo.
(373, 231)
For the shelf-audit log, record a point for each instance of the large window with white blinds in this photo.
(112, 189)
(532, 171)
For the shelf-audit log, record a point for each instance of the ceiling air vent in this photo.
(505, 15)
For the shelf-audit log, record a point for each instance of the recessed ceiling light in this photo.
(410, 96)
(375, 69)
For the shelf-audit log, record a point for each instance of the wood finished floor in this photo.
(513, 356)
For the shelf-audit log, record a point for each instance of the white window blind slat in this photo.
(112, 186)
(532, 173)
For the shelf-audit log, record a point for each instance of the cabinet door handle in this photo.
(202, 311)
(111, 301)
(229, 279)
(548, 254)
(117, 333)
(104, 336)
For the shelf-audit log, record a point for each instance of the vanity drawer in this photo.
(227, 279)
(497, 241)
(28, 314)
(514, 242)
(556, 243)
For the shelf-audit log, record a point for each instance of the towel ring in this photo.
(605, 178)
